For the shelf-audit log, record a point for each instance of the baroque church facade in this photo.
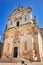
(22, 38)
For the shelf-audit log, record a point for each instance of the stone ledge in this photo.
(33, 63)
(13, 60)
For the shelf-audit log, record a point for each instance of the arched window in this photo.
(25, 18)
(11, 22)
(17, 23)
(20, 18)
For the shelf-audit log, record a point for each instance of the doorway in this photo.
(15, 52)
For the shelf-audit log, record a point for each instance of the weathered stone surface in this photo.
(22, 34)
(35, 63)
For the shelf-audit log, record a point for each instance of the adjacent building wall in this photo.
(40, 44)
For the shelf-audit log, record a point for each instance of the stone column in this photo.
(36, 46)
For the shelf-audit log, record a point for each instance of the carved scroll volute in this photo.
(6, 35)
(17, 19)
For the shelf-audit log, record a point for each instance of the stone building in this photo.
(1, 45)
(22, 38)
(41, 31)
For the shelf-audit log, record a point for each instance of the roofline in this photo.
(19, 11)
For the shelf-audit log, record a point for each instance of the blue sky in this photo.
(7, 7)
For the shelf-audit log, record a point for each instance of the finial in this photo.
(35, 20)
(28, 7)
(34, 17)
(22, 6)
(19, 5)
